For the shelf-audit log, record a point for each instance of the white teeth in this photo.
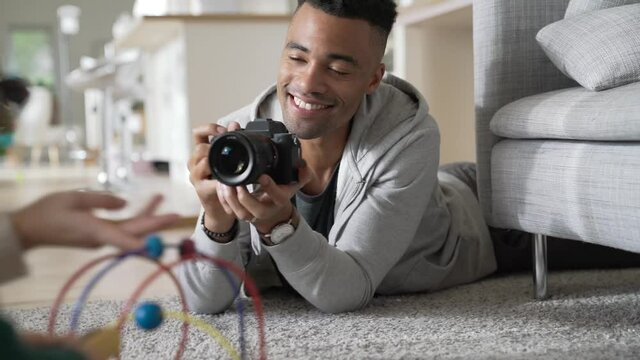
(303, 105)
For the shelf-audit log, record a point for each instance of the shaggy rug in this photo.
(591, 315)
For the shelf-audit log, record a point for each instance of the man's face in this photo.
(327, 66)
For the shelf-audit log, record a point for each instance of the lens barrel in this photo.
(240, 157)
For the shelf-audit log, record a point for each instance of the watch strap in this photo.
(268, 236)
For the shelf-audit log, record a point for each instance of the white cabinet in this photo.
(433, 49)
(198, 69)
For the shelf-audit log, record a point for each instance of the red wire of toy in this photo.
(249, 284)
(56, 305)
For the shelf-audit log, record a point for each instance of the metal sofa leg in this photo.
(540, 266)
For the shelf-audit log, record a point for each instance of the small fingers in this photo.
(144, 225)
(108, 233)
(95, 200)
(151, 206)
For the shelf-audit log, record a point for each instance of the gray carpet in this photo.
(592, 315)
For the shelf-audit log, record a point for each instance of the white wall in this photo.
(95, 29)
(447, 83)
(436, 55)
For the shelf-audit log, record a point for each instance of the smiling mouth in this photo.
(301, 104)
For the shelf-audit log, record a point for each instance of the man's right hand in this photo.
(216, 219)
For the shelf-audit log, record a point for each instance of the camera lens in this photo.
(239, 158)
(233, 159)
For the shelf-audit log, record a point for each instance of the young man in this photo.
(371, 215)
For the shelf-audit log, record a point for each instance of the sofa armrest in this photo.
(508, 65)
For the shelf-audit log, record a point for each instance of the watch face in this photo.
(281, 232)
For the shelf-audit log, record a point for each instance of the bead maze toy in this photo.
(150, 315)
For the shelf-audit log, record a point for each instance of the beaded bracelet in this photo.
(220, 236)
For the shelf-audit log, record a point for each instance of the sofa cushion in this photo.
(599, 49)
(574, 113)
(577, 7)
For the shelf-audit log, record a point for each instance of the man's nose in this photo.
(312, 80)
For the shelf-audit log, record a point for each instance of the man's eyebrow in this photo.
(296, 46)
(332, 56)
(350, 59)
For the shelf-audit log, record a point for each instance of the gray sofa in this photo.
(554, 159)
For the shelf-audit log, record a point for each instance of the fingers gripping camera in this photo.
(263, 147)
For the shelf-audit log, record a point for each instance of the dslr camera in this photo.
(263, 147)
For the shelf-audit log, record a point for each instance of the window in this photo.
(31, 57)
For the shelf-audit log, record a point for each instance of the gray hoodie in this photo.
(399, 227)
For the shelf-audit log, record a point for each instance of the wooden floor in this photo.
(50, 268)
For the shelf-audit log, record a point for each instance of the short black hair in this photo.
(380, 14)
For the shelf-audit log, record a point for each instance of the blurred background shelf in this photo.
(439, 12)
(433, 49)
(198, 69)
(151, 32)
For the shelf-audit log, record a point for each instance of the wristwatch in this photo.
(280, 232)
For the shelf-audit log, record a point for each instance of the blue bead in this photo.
(154, 246)
(148, 315)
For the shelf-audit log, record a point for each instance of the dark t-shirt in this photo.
(318, 210)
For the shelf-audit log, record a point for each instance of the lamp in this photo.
(68, 19)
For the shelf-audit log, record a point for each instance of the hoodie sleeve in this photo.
(210, 289)
(11, 263)
(379, 230)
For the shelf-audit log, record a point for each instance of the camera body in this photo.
(263, 147)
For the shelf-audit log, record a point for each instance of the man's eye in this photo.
(296, 59)
(337, 71)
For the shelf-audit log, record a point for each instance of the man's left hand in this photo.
(267, 207)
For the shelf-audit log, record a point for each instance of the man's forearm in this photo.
(209, 288)
(325, 276)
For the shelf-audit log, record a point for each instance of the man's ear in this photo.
(376, 78)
